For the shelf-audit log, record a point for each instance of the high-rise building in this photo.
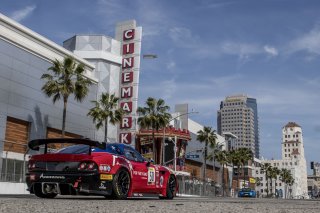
(239, 115)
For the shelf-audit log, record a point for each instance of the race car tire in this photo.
(38, 193)
(171, 188)
(121, 184)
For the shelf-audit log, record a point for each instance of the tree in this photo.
(234, 159)
(266, 168)
(222, 158)
(66, 79)
(106, 110)
(215, 148)
(209, 137)
(290, 182)
(274, 175)
(284, 176)
(155, 116)
(245, 155)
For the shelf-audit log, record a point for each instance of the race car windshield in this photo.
(75, 149)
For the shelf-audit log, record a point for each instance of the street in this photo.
(29, 203)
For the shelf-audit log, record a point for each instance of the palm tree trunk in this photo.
(267, 179)
(271, 187)
(275, 186)
(223, 185)
(154, 147)
(106, 130)
(238, 172)
(65, 100)
(244, 176)
(205, 167)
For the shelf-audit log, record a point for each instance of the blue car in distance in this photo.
(246, 192)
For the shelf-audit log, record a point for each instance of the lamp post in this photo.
(175, 141)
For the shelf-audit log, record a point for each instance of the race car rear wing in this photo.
(35, 144)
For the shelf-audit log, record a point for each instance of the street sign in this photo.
(252, 180)
(193, 156)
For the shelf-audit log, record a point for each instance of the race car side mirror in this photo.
(149, 162)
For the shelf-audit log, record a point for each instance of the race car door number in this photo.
(151, 175)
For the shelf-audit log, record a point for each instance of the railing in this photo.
(11, 177)
(193, 186)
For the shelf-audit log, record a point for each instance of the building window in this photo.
(12, 170)
(285, 155)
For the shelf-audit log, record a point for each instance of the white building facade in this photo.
(26, 113)
(293, 159)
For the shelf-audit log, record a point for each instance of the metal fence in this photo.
(12, 177)
(194, 186)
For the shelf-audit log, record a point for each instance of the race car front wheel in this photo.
(121, 184)
(171, 188)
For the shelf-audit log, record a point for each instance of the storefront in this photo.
(168, 141)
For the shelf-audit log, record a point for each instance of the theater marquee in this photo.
(130, 35)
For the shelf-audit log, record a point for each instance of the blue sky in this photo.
(209, 49)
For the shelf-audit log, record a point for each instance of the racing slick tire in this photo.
(171, 188)
(121, 184)
(38, 193)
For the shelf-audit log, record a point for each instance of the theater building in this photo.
(26, 113)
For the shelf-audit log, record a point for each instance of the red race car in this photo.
(93, 168)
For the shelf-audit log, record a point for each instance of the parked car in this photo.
(92, 168)
(246, 192)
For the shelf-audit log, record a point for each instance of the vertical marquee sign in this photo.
(130, 35)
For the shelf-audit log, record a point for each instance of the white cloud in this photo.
(19, 15)
(183, 37)
(271, 50)
(241, 49)
(309, 42)
(169, 88)
(171, 65)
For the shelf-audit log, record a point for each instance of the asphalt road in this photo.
(29, 203)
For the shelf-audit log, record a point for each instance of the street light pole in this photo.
(175, 153)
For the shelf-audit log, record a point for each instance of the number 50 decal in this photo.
(151, 175)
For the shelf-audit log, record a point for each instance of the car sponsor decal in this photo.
(151, 175)
(51, 177)
(140, 173)
(105, 177)
(102, 185)
(161, 181)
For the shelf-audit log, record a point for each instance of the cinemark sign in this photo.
(126, 88)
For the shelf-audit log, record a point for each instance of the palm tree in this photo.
(245, 155)
(266, 168)
(155, 116)
(215, 148)
(209, 137)
(284, 176)
(106, 110)
(66, 79)
(274, 175)
(222, 158)
(234, 159)
(290, 182)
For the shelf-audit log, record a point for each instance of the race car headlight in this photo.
(104, 168)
